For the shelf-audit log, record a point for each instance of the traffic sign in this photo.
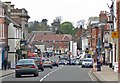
(115, 34)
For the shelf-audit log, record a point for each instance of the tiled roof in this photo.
(52, 37)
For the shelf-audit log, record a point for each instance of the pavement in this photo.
(106, 74)
(7, 72)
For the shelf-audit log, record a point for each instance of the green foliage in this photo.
(39, 26)
(67, 28)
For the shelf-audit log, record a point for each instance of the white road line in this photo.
(50, 73)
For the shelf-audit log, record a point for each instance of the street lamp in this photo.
(98, 56)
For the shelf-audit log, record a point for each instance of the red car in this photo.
(38, 61)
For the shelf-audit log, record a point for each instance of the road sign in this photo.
(115, 34)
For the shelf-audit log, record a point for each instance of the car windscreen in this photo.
(62, 60)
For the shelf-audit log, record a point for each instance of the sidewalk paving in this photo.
(7, 72)
(106, 74)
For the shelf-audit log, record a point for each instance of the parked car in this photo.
(47, 63)
(62, 62)
(26, 66)
(71, 62)
(38, 61)
(77, 62)
(87, 62)
(56, 63)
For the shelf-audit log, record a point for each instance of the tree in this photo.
(67, 28)
(81, 23)
(58, 19)
(38, 26)
(44, 21)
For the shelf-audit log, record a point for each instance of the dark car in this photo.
(39, 62)
(26, 66)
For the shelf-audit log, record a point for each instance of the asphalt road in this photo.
(61, 73)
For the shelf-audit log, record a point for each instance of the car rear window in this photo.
(25, 61)
(88, 60)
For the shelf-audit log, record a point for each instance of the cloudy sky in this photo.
(69, 10)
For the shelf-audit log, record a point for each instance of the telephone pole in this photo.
(118, 27)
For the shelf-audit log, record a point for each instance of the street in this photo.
(61, 73)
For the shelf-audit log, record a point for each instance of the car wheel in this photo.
(51, 67)
(91, 66)
(16, 75)
(42, 69)
(35, 74)
(82, 66)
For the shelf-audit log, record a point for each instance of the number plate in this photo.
(25, 67)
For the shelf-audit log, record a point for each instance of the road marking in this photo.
(50, 73)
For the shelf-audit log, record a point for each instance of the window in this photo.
(2, 31)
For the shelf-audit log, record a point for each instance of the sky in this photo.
(69, 10)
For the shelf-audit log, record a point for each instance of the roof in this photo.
(52, 37)
(8, 18)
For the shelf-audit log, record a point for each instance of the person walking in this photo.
(101, 59)
(5, 63)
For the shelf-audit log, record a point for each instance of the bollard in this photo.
(98, 66)
(94, 67)
(110, 65)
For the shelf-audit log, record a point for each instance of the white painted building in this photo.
(13, 42)
(84, 43)
(1, 32)
(0, 58)
(74, 53)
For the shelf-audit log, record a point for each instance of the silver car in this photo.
(47, 63)
(26, 66)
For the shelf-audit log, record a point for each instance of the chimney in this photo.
(8, 3)
(12, 6)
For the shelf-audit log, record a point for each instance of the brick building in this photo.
(118, 28)
(60, 42)
(7, 43)
(20, 16)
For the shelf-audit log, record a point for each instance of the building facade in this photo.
(118, 28)
(59, 42)
(20, 16)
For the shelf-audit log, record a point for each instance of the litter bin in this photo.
(98, 66)
(110, 65)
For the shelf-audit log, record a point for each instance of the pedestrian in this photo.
(5, 63)
(101, 60)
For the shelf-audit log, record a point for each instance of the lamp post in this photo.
(98, 44)
(98, 56)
